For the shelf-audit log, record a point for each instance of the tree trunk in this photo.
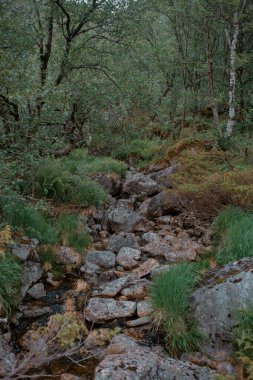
(232, 81)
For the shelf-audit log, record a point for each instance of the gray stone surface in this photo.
(112, 288)
(99, 310)
(127, 257)
(123, 239)
(32, 273)
(217, 302)
(140, 183)
(128, 360)
(37, 291)
(103, 259)
(67, 256)
(124, 219)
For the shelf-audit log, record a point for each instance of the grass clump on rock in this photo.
(234, 233)
(10, 281)
(171, 302)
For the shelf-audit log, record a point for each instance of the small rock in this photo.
(166, 219)
(111, 289)
(36, 311)
(22, 251)
(37, 291)
(137, 291)
(159, 270)
(150, 237)
(157, 248)
(103, 259)
(143, 208)
(118, 241)
(144, 309)
(147, 267)
(102, 309)
(126, 220)
(127, 257)
(139, 322)
(68, 376)
(67, 256)
(164, 203)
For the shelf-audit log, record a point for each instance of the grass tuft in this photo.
(234, 233)
(170, 298)
(10, 282)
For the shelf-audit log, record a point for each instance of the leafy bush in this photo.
(73, 233)
(170, 298)
(22, 215)
(244, 342)
(141, 150)
(10, 281)
(234, 232)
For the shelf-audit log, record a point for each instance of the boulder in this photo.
(126, 220)
(127, 359)
(140, 184)
(225, 291)
(118, 241)
(163, 177)
(99, 310)
(144, 308)
(164, 203)
(127, 257)
(110, 182)
(103, 259)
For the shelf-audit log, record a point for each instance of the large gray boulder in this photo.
(127, 359)
(140, 184)
(103, 259)
(164, 203)
(225, 291)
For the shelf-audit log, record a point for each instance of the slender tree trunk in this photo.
(232, 81)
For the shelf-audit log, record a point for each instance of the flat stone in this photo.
(37, 291)
(103, 259)
(99, 310)
(123, 239)
(150, 237)
(138, 290)
(127, 257)
(36, 311)
(146, 267)
(127, 359)
(139, 322)
(144, 309)
(67, 256)
(111, 289)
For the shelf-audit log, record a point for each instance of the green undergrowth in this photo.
(10, 281)
(234, 235)
(171, 301)
(31, 219)
(72, 232)
(244, 342)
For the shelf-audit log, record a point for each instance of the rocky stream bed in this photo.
(139, 234)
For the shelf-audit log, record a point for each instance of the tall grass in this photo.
(10, 281)
(72, 232)
(23, 216)
(234, 233)
(170, 297)
(244, 342)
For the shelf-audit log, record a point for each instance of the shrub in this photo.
(234, 234)
(22, 215)
(10, 281)
(170, 298)
(244, 342)
(73, 233)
